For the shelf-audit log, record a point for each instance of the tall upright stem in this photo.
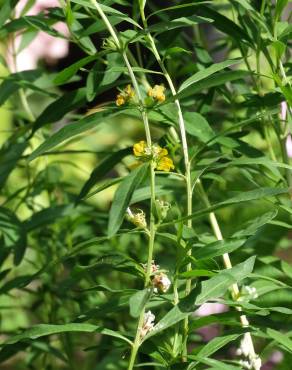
(185, 155)
(144, 116)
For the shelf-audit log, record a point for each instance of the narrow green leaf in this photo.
(161, 27)
(171, 318)
(196, 273)
(138, 301)
(13, 234)
(216, 286)
(17, 283)
(14, 81)
(204, 73)
(287, 268)
(102, 169)
(281, 4)
(226, 25)
(176, 7)
(197, 125)
(123, 196)
(280, 338)
(64, 75)
(215, 364)
(215, 344)
(251, 227)
(10, 153)
(145, 193)
(217, 248)
(69, 131)
(6, 8)
(42, 330)
(47, 216)
(242, 197)
(179, 312)
(56, 110)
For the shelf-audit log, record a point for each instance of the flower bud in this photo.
(109, 44)
(162, 208)
(161, 283)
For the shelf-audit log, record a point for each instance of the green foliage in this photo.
(120, 256)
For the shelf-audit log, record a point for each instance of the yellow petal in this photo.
(165, 164)
(139, 148)
(120, 100)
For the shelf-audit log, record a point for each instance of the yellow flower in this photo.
(126, 95)
(165, 164)
(157, 93)
(159, 152)
(158, 155)
(139, 148)
(120, 100)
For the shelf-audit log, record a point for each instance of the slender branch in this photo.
(185, 155)
(227, 262)
(144, 116)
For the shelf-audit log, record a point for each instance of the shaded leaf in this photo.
(123, 196)
(138, 301)
(41, 330)
(102, 169)
(217, 248)
(197, 125)
(204, 73)
(216, 286)
(56, 110)
(280, 338)
(64, 75)
(69, 131)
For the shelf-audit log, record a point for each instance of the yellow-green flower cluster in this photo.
(158, 154)
(125, 96)
(157, 93)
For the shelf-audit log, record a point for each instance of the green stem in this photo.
(144, 116)
(136, 343)
(152, 226)
(137, 339)
(185, 155)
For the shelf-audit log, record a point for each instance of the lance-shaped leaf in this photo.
(216, 286)
(217, 248)
(42, 330)
(123, 197)
(204, 73)
(69, 131)
(102, 169)
(281, 338)
(58, 108)
(138, 301)
(9, 155)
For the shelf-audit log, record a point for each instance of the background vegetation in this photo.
(73, 281)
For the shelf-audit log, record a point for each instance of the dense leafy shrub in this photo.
(145, 184)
